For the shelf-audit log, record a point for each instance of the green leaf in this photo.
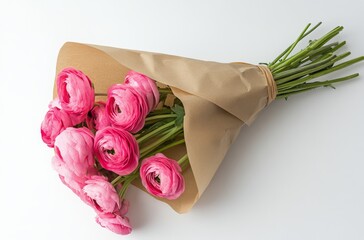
(180, 112)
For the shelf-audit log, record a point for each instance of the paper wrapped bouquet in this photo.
(163, 123)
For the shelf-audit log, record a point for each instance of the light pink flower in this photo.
(115, 223)
(74, 146)
(55, 121)
(117, 150)
(162, 177)
(144, 85)
(71, 180)
(76, 93)
(126, 107)
(104, 196)
(97, 118)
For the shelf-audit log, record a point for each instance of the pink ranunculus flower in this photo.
(97, 118)
(71, 180)
(115, 223)
(117, 150)
(162, 177)
(74, 146)
(104, 196)
(76, 93)
(126, 107)
(55, 121)
(144, 85)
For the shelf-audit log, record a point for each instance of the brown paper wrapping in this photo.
(218, 99)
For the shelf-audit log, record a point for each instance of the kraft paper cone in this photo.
(218, 99)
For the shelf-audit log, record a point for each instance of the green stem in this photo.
(340, 45)
(322, 50)
(279, 77)
(295, 43)
(327, 37)
(293, 73)
(319, 74)
(160, 117)
(271, 65)
(116, 180)
(183, 162)
(154, 132)
(303, 53)
(126, 184)
(309, 86)
(164, 90)
(318, 54)
(182, 159)
(173, 144)
(317, 67)
(291, 93)
(158, 142)
(163, 110)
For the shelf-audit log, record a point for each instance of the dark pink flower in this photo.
(104, 196)
(55, 121)
(117, 150)
(144, 85)
(115, 223)
(97, 118)
(76, 93)
(162, 177)
(126, 107)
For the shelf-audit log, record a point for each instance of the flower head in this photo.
(97, 118)
(69, 178)
(104, 196)
(76, 94)
(55, 121)
(144, 85)
(162, 177)
(116, 150)
(74, 147)
(126, 107)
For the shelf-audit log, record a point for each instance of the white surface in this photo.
(296, 173)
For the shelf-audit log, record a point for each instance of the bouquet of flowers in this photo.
(163, 123)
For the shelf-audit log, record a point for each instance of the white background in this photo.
(296, 173)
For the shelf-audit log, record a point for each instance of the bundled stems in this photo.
(293, 73)
(155, 144)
